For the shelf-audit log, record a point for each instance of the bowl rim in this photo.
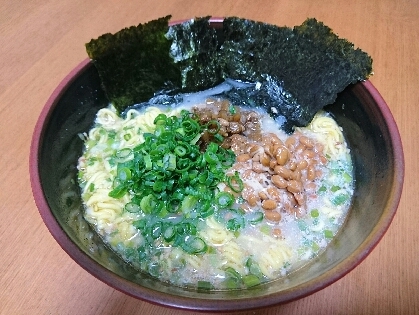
(210, 304)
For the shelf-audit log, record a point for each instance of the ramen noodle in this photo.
(277, 199)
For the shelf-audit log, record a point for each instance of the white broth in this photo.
(279, 202)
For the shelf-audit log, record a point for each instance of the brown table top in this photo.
(41, 41)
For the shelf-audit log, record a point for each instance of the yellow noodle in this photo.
(215, 234)
(234, 255)
(329, 133)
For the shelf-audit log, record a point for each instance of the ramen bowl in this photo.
(378, 161)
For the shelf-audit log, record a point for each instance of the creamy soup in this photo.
(213, 196)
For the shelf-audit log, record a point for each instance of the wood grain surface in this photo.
(42, 40)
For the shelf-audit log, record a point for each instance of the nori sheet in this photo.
(195, 48)
(134, 63)
(303, 68)
(299, 70)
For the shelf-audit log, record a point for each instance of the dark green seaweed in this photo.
(298, 70)
(302, 68)
(134, 63)
(195, 48)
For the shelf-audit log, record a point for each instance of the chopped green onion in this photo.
(169, 233)
(160, 119)
(140, 224)
(147, 161)
(235, 183)
(314, 213)
(118, 192)
(254, 268)
(315, 247)
(195, 139)
(232, 273)
(218, 137)
(224, 199)
(328, 234)
(265, 229)
(132, 207)
(159, 186)
(204, 285)
(154, 269)
(335, 188)
(194, 245)
(180, 150)
(211, 157)
(340, 199)
(213, 126)
(148, 203)
(206, 177)
(231, 283)
(251, 280)
(141, 253)
(183, 165)
(124, 174)
(322, 189)
(91, 161)
(255, 217)
(346, 177)
(235, 224)
(156, 230)
(188, 204)
(206, 209)
(123, 155)
(169, 174)
(169, 161)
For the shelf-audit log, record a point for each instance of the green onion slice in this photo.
(169, 233)
(235, 182)
(204, 285)
(170, 175)
(328, 234)
(255, 217)
(123, 155)
(132, 207)
(194, 245)
(224, 200)
(232, 273)
(251, 280)
(118, 192)
(213, 126)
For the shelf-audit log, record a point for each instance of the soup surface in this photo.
(211, 195)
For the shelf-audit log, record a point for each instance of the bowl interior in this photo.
(378, 162)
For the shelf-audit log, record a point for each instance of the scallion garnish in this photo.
(255, 217)
(251, 280)
(235, 182)
(328, 234)
(213, 126)
(118, 192)
(194, 245)
(224, 199)
(204, 285)
(132, 207)
(168, 175)
(314, 213)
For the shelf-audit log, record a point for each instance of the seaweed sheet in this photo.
(195, 49)
(134, 63)
(303, 68)
(298, 70)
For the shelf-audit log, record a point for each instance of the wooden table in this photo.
(41, 41)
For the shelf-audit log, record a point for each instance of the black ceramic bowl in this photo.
(377, 155)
